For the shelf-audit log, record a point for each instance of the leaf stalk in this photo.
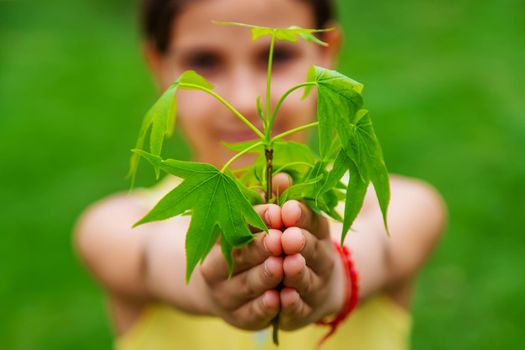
(228, 105)
(238, 155)
(295, 130)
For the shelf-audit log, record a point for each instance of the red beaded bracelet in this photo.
(352, 293)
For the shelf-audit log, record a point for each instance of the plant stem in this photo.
(283, 98)
(228, 105)
(269, 173)
(235, 157)
(268, 129)
(293, 131)
(268, 151)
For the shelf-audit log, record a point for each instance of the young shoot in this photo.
(221, 201)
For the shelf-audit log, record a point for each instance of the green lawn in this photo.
(444, 83)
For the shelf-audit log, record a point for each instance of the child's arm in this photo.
(148, 263)
(312, 269)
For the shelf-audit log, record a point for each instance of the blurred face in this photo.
(237, 67)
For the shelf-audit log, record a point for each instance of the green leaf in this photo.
(290, 34)
(355, 191)
(301, 190)
(259, 32)
(355, 195)
(339, 99)
(312, 38)
(260, 112)
(252, 196)
(290, 151)
(363, 148)
(193, 78)
(341, 119)
(310, 78)
(217, 205)
(161, 119)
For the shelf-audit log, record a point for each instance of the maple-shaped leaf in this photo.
(341, 119)
(308, 188)
(338, 100)
(160, 118)
(290, 34)
(363, 159)
(355, 190)
(218, 208)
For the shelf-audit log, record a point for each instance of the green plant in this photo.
(220, 201)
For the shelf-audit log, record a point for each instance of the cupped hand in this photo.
(314, 279)
(249, 299)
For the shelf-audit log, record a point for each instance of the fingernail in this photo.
(267, 216)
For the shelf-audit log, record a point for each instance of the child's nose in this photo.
(244, 88)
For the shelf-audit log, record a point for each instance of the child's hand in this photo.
(248, 300)
(314, 277)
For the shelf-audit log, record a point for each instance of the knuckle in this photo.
(246, 287)
(259, 311)
(308, 285)
(267, 276)
(239, 257)
(224, 299)
(208, 273)
(315, 249)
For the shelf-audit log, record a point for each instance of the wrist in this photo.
(338, 285)
(351, 293)
(202, 301)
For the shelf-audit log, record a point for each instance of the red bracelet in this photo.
(352, 293)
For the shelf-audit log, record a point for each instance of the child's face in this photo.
(237, 67)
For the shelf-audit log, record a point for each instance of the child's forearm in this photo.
(145, 263)
(164, 273)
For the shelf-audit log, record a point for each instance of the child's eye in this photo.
(282, 55)
(204, 62)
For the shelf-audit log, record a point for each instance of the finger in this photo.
(294, 311)
(300, 277)
(251, 284)
(258, 313)
(215, 268)
(270, 214)
(281, 182)
(295, 213)
(317, 253)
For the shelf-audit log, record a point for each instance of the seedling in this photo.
(221, 200)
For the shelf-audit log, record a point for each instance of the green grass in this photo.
(443, 81)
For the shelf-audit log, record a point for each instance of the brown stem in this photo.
(269, 176)
(269, 170)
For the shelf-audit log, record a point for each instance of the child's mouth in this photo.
(238, 136)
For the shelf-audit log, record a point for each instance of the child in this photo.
(142, 269)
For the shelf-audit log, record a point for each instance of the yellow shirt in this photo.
(377, 324)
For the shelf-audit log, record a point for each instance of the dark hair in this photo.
(157, 17)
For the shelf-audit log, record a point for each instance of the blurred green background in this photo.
(444, 81)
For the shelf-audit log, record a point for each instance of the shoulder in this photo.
(417, 218)
(411, 200)
(420, 202)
